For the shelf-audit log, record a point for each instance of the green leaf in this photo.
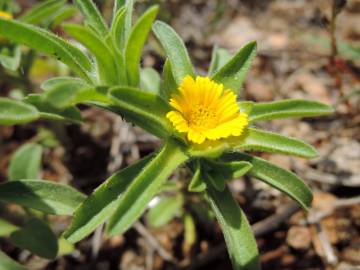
(55, 82)
(145, 186)
(259, 140)
(44, 41)
(218, 59)
(143, 109)
(92, 16)
(196, 183)
(277, 177)
(47, 111)
(100, 205)
(218, 173)
(233, 73)
(105, 59)
(150, 80)
(61, 15)
(42, 11)
(169, 84)
(6, 263)
(118, 29)
(118, 4)
(128, 19)
(164, 211)
(15, 112)
(6, 228)
(175, 51)
(37, 237)
(62, 95)
(288, 108)
(26, 162)
(135, 44)
(237, 232)
(45, 196)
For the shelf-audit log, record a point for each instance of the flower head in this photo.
(5, 15)
(205, 110)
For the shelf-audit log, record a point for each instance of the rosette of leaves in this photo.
(110, 79)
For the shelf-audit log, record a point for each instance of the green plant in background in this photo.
(202, 125)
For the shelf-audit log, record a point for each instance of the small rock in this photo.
(299, 237)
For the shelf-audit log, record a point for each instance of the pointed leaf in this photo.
(47, 111)
(145, 186)
(237, 232)
(218, 59)
(15, 112)
(135, 44)
(92, 16)
(42, 11)
(26, 162)
(107, 67)
(230, 170)
(277, 177)
(118, 4)
(143, 109)
(259, 140)
(233, 74)
(54, 82)
(11, 60)
(44, 41)
(118, 29)
(45, 196)
(169, 84)
(196, 183)
(100, 205)
(37, 237)
(288, 108)
(175, 51)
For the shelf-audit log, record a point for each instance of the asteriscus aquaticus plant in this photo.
(205, 110)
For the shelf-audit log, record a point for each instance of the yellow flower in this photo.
(5, 15)
(205, 110)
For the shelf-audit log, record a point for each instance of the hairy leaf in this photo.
(15, 112)
(47, 111)
(288, 108)
(106, 61)
(45, 196)
(135, 44)
(145, 186)
(42, 11)
(175, 51)
(275, 176)
(233, 73)
(100, 205)
(218, 59)
(92, 16)
(238, 235)
(44, 41)
(259, 140)
(144, 109)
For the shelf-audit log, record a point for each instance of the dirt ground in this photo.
(295, 60)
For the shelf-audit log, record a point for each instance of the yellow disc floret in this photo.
(5, 15)
(205, 110)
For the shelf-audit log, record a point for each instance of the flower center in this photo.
(201, 117)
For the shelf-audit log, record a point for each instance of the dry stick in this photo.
(260, 228)
(115, 156)
(151, 240)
